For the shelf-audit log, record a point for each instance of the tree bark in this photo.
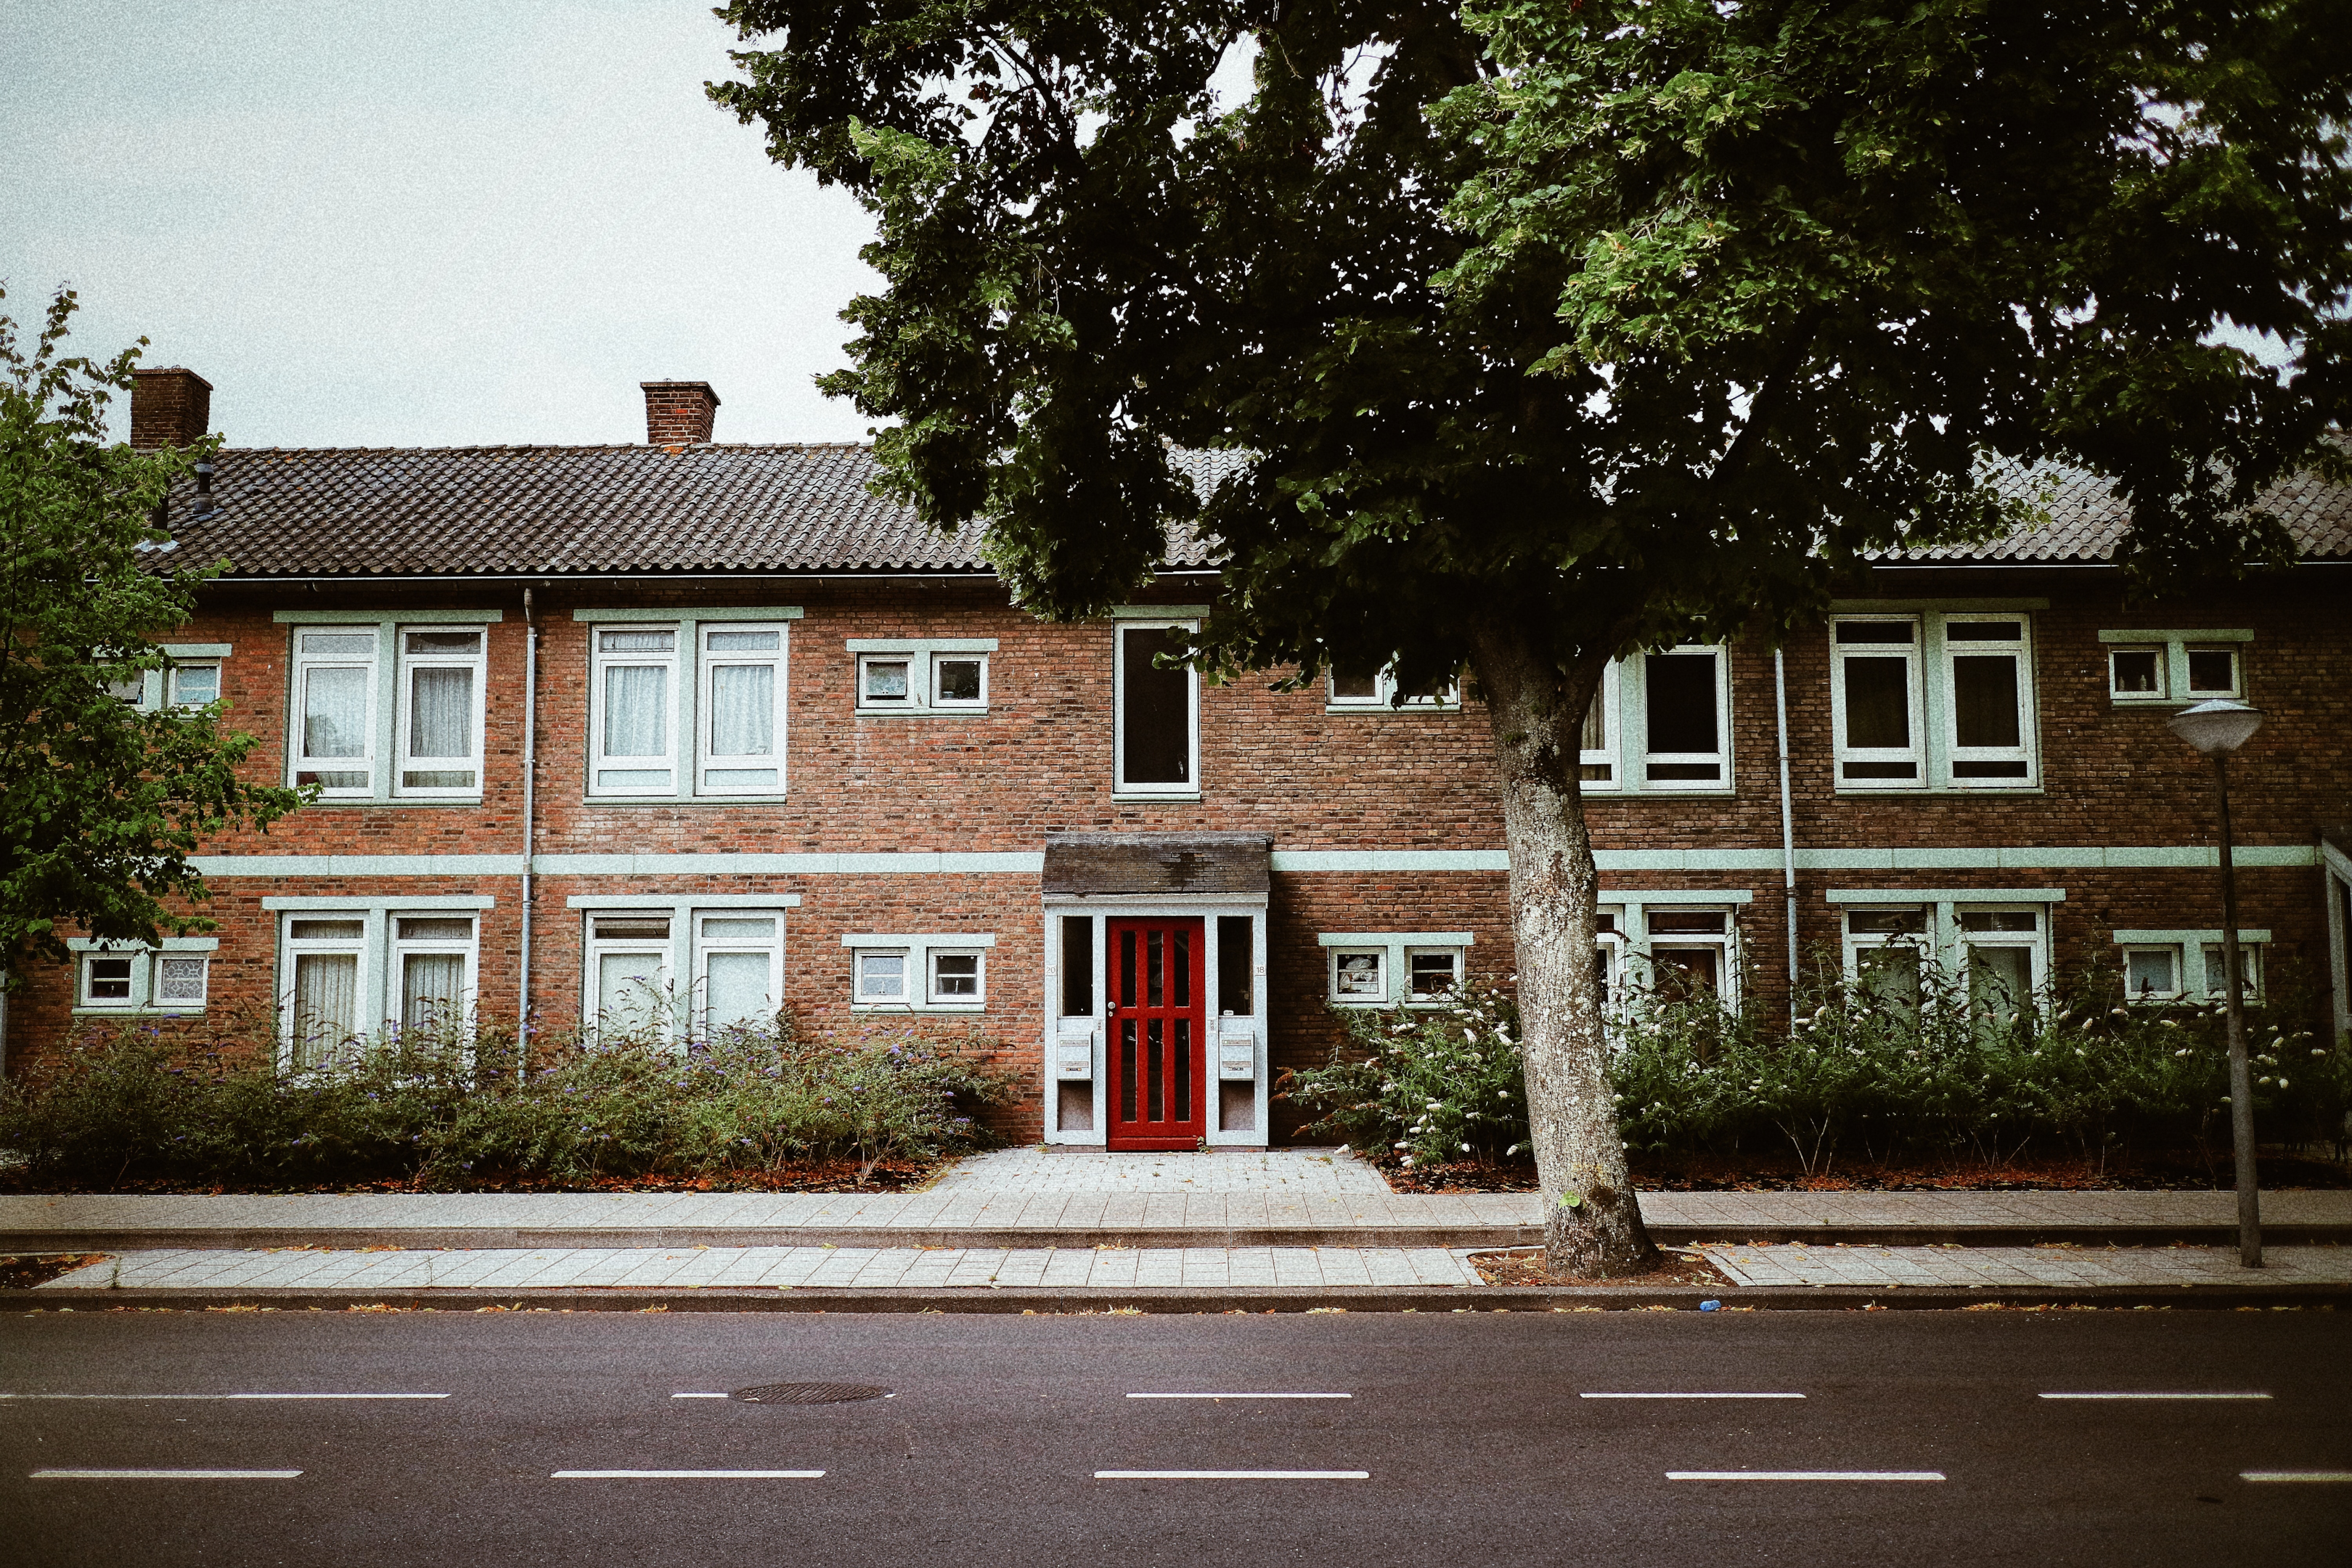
(1592, 1219)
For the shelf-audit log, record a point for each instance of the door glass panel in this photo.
(1154, 970)
(1154, 1085)
(1183, 1075)
(1984, 700)
(737, 988)
(1878, 704)
(1127, 969)
(1181, 979)
(1126, 1068)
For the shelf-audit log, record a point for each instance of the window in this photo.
(2152, 973)
(1357, 691)
(1690, 952)
(881, 975)
(1377, 969)
(744, 706)
(1077, 966)
(629, 973)
(925, 675)
(738, 968)
(1434, 971)
(633, 705)
(105, 980)
(2160, 668)
(946, 972)
(1236, 966)
(1885, 952)
(1609, 959)
(1598, 753)
(1359, 975)
(324, 957)
(2217, 971)
(334, 710)
(433, 958)
(2004, 959)
(1158, 720)
(958, 978)
(440, 711)
(1974, 672)
(1660, 722)
(194, 685)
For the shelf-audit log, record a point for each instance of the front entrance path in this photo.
(1049, 1170)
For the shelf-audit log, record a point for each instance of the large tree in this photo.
(102, 798)
(1548, 331)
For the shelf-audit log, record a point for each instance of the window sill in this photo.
(2169, 704)
(1943, 791)
(193, 1010)
(1720, 792)
(979, 711)
(404, 800)
(1383, 710)
(918, 1009)
(671, 800)
(1123, 796)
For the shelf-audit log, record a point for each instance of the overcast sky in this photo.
(420, 222)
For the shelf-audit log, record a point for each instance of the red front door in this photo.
(1158, 1034)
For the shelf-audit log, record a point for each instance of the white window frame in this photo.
(1724, 944)
(160, 689)
(2213, 961)
(1720, 757)
(1189, 788)
(367, 972)
(707, 943)
(2035, 942)
(1933, 713)
(2173, 954)
(1854, 943)
(922, 658)
(1456, 959)
(919, 976)
(1626, 915)
(1608, 947)
(144, 976)
(665, 761)
(1384, 699)
(400, 948)
(1916, 686)
(707, 662)
(2172, 649)
(404, 762)
(84, 978)
(2020, 650)
(661, 949)
(977, 998)
(369, 763)
(1609, 705)
(2198, 964)
(1394, 950)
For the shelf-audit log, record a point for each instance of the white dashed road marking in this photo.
(1804, 1475)
(165, 1475)
(1232, 1475)
(1690, 1396)
(685, 1475)
(1241, 1397)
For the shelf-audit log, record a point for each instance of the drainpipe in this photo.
(529, 819)
(1788, 827)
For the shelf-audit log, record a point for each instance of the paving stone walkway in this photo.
(1054, 1169)
(1867, 1266)
(861, 1268)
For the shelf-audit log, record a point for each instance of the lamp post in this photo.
(2216, 730)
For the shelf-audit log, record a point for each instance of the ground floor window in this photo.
(918, 971)
(1379, 969)
(115, 977)
(629, 973)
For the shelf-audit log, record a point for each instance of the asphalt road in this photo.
(1474, 1439)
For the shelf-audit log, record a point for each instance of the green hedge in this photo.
(2083, 1075)
(446, 1111)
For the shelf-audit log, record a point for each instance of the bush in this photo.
(445, 1110)
(1888, 1075)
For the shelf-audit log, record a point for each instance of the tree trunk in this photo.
(1593, 1221)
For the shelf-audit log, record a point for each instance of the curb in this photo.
(1195, 1300)
(474, 1237)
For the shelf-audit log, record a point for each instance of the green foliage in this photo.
(441, 1108)
(1862, 1074)
(100, 805)
(1429, 1084)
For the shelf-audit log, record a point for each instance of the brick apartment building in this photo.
(780, 744)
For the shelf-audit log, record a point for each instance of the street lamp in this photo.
(2216, 730)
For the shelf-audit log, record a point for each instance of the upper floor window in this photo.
(1660, 722)
(1157, 722)
(334, 710)
(742, 731)
(441, 711)
(382, 709)
(931, 676)
(191, 677)
(687, 705)
(2175, 667)
(1359, 691)
(1940, 699)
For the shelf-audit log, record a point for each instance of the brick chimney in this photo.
(171, 407)
(680, 413)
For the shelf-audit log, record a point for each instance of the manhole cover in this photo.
(810, 1392)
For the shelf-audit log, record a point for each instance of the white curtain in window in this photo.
(636, 711)
(743, 710)
(442, 722)
(432, 989)
(334, 714)
(736, 988)
(326, 1004)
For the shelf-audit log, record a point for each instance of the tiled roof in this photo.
(591, 511)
